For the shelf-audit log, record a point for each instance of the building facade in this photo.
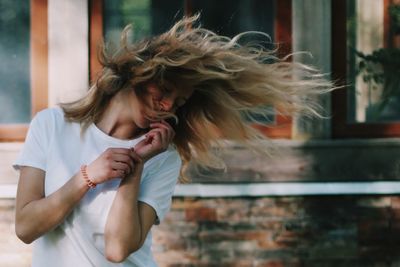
(330, 197)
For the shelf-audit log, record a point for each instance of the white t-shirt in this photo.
(56, 146)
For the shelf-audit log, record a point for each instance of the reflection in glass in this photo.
(368, 35)
(148, 17)
(15, 98)
(229, 18)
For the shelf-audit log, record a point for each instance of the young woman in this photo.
(96, 174)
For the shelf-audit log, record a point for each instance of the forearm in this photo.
(123, 229)
(40, 216)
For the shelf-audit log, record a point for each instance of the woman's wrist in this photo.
(135, 175)
(80, 183)
(89, 182)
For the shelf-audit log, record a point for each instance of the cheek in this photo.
(154, 91)
(146, 102)
(153, 98)
(147, 107)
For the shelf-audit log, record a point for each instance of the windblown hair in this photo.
(231, 83)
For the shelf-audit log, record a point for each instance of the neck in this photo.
(116, 122)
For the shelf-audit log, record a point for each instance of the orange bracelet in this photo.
(86, 177)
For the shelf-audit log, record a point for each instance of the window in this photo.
(147, 17)
(225, 17)
(361, 29)
(23, 53)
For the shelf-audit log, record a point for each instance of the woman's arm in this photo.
(36, 214)
(129, 221)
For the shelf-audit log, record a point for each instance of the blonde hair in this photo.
(230, 81)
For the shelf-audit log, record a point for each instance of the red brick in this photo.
(237, 263)
(274, 263)
(395, 214)
(185, 203)
(287, 239)
(201, 214)
(233, 211)
(262, 238)
(278, 263)
(395, 202)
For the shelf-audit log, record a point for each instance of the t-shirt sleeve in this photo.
(34, 150)
(158, 183)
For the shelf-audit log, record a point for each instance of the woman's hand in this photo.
(113, 163)
(157, 140)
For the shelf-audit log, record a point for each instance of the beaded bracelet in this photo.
(86, 177)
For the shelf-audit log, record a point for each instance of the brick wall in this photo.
(284, 231)
(269, 232)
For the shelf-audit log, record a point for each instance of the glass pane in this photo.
(148, 17)
(15, 98)
(374, 64)
(229, 18)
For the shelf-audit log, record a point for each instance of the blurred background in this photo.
(328, 197)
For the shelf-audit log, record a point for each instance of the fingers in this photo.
(123, 158)
(121, 154)
(114, 163)
(164, 125)
(160, 137)
(141, 144)
(122, 161)
(171, 130)
(165, 130)
(121, 166)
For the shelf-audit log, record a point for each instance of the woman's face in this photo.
(167, 99)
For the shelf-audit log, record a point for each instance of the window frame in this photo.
(283, 36)
(15, 132)
(341, 128)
